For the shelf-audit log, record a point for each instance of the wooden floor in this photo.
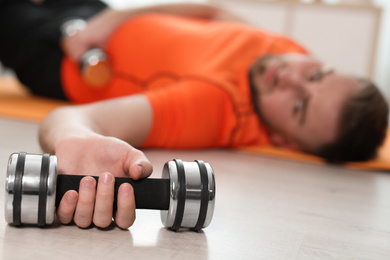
(265, 209)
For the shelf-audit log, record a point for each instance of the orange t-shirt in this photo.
(195, 74)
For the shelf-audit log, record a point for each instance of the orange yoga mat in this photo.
(381, 163)
(16, 102)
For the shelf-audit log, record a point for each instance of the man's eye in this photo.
(297, 106)
(316, 76)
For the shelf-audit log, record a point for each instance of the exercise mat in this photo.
(16, 102)
(381, 162)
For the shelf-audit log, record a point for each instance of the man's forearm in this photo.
(100, 27)
(206, 11)
(127, 118)
(115, 17)
(63, 123)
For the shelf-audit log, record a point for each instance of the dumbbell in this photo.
(95, 66)
(185, 194)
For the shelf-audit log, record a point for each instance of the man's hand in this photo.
(106, 157)
(95, 34)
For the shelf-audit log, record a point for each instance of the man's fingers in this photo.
(67, 207)
(125, 214)
(86, 202)
(96, 205)
(104, 201)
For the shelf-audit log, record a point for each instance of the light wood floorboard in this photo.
(265, 209)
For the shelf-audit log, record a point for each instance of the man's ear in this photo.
(283, 142)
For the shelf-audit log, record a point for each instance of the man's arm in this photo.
(204, 11)
(122, 122)
(94, 140)
(127, 118)
(100, 27)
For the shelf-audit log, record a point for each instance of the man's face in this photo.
(300, 99)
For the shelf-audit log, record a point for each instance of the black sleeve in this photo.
(25, 25)
(30, 37)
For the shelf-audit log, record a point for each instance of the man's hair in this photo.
(362, 127)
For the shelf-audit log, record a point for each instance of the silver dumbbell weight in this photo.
(185, 194)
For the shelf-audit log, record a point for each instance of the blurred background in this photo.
(351, 35)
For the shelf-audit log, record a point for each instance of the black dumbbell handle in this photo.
(149, 193)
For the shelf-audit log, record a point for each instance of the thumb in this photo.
(137, 164)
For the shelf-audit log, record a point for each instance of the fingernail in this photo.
(107, 178)
(141, 169)
(87, 182)
(71, 197)
(125, 189)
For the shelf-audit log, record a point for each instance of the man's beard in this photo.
(258, 67)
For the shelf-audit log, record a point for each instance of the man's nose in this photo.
(291, 80)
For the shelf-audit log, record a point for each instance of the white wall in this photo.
(382, 68)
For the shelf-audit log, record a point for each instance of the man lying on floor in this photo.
(188, 81)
